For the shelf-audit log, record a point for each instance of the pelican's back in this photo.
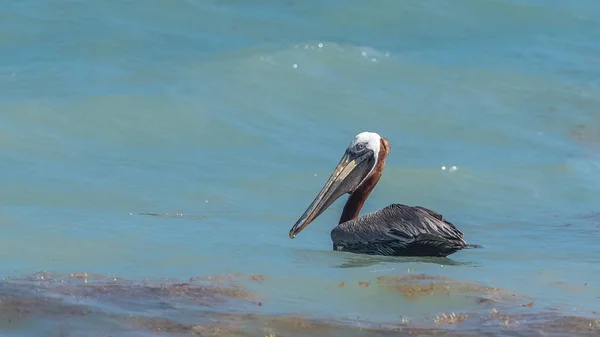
(399, 230)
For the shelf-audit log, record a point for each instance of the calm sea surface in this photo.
(147, 142)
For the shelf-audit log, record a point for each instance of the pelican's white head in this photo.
(368, 140)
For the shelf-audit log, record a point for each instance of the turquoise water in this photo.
(227, 117)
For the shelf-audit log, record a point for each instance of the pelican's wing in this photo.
(400, 226)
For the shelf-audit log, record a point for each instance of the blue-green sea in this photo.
(155, 154)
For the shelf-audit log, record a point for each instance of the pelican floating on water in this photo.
(396, 230)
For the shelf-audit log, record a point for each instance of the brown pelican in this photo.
(396, 230)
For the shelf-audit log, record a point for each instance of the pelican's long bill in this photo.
(347, 176)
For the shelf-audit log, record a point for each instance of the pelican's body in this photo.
(396, 230)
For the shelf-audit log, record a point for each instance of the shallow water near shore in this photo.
(149, 143)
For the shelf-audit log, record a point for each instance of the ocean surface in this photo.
(155, 155)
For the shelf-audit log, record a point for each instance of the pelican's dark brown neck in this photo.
(357, 199)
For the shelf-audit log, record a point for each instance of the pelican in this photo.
(396, 230)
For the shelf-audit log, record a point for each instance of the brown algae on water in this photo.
(222, 306)
(450, 319)
(172, 215)
(413, 286)
(258, 278)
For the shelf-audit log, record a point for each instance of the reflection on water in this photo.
(223, 306)
(358, 261)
